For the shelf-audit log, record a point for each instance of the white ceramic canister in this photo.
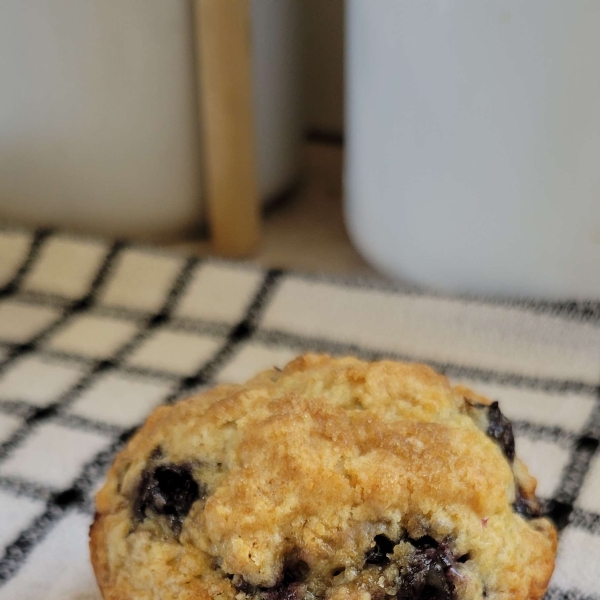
(473, 143)
(99, 119)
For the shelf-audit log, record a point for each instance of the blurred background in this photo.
(99, 128)
(471, 134)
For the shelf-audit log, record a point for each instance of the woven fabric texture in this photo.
(93, 336)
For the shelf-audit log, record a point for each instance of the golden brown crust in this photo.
(315, 461)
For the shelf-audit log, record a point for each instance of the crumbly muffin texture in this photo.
(331, 479)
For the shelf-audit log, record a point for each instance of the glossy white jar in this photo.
(473, 143)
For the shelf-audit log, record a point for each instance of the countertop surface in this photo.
(305, 231)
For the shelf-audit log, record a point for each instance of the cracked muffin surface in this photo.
(330, 479)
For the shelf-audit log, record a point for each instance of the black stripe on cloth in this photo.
(200, 327)
(20, 408)
(239, 334)
(29, 489)
(300, 344)
(574, 473)
(90, 361)
(16, 553)
(71, 309)
(161, 318)
(101, 277)
(276, 337)
(592, 428)
(589, 521)
(51, 411)
(24, 410)
(549, 433)
(35, 416)
(38, 240)
(175, 293)
(574, 309)
(586, 520)
(279, 338)
(560, 509)
(57, 506)
(55, 354)
(84, 424)
(555, 593)
(17, 408)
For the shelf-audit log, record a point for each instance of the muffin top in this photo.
(331, 478)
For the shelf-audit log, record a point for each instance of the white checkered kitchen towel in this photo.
(94, 336)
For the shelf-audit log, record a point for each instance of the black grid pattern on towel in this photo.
(581, 445)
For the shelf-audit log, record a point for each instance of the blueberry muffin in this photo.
(331, 479)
